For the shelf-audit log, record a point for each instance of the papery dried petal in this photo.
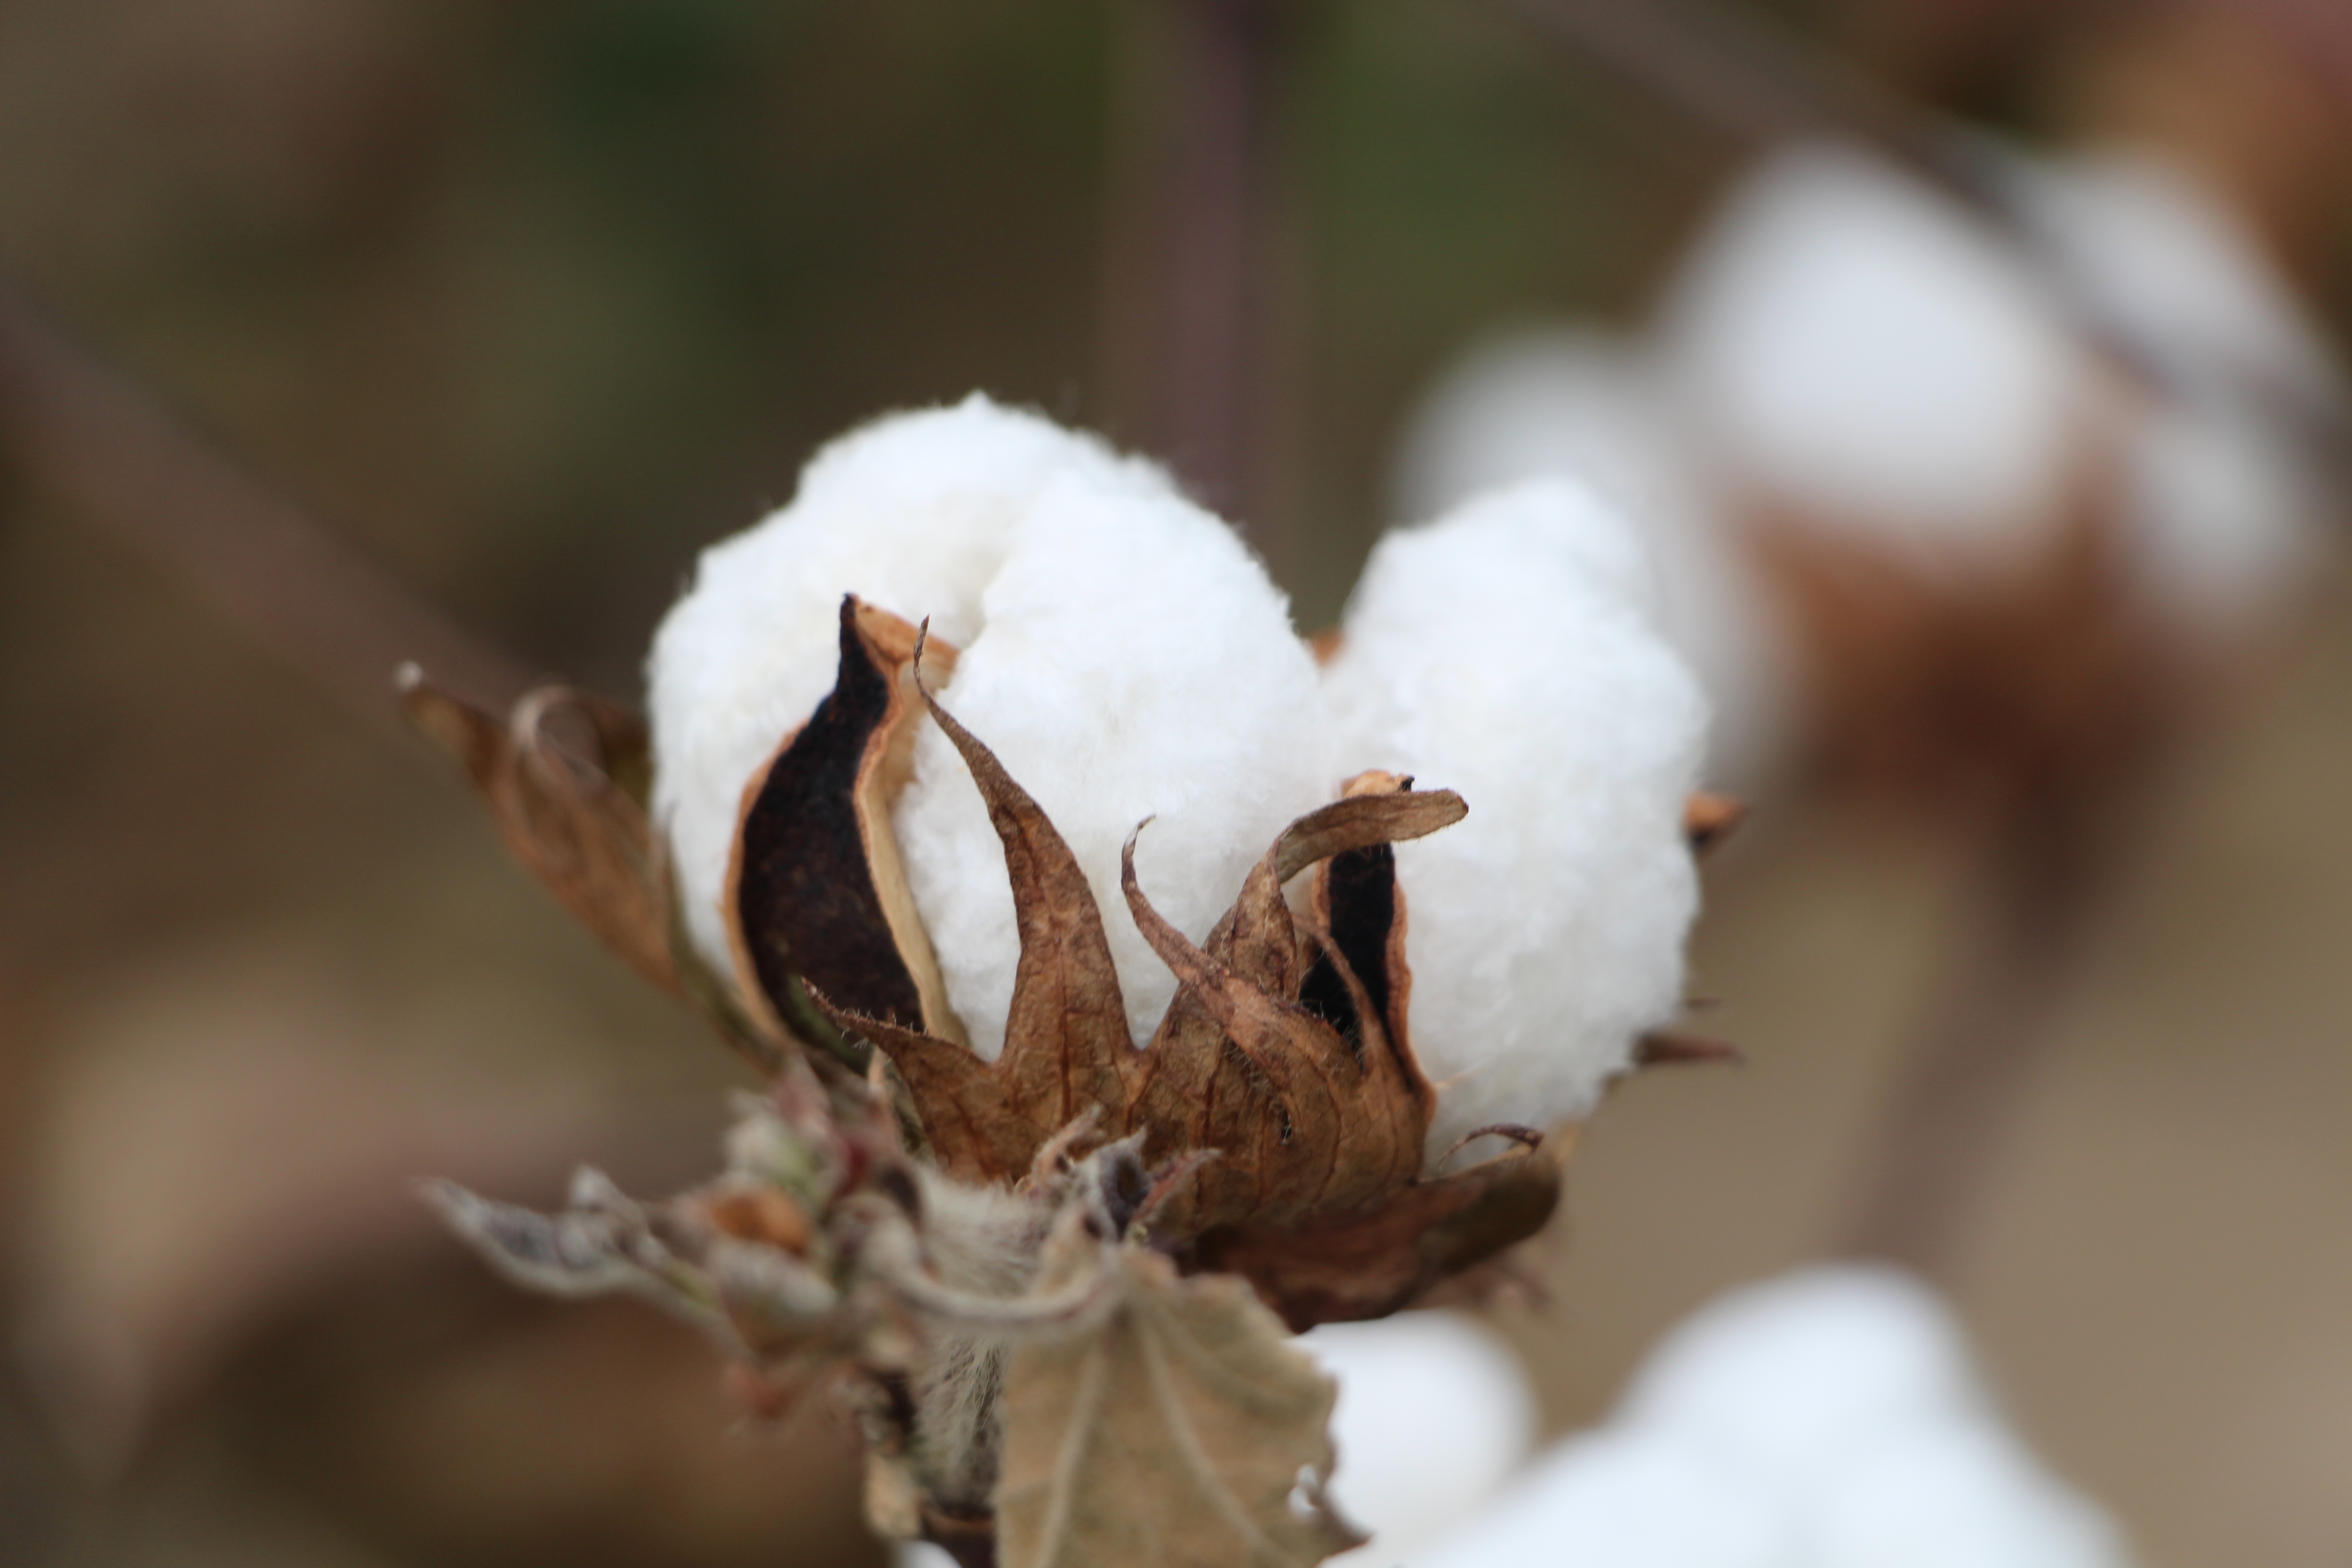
(815, 891)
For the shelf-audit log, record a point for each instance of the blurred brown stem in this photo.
(1988, 1026)
(1210, 260)
(83, 433)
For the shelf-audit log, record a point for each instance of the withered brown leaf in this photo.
(1182, 1431)
(566, 779)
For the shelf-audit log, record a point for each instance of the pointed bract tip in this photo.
(1663, 1047)
(1709, 819)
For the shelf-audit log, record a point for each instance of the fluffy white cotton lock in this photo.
(2167, 261)
(1132, 662)
(1507, 652)
(2226, 501)
(1800, 1372)
(1123, 654)
(1433, 1416)
(1852, 345)
(1580, 404)
(1829, 1419)
(1627, 1500)
(1959, 1493)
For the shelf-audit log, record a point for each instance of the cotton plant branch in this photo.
(1986, 1034)
(1211, 197)
(114, 454)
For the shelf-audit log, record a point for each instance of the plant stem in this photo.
(83, 433)
(1211, 263)
(1988, 1030)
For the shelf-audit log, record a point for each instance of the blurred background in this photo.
(525, 302)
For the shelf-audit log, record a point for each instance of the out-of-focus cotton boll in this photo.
(1829, 1419)
(1506, 652)
(1794, 1373)
(2171, 265)
(1855, 348)
(1123, 654)
(1579, 403)
(1627, 1500)
(1959, 1494)
(2226, 520)
(1434, 1416)
(2227, 505)
(1132, 661)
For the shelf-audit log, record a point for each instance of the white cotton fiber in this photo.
(1132, 661)
(1625, 1501)
(1434, 1414)
(1579, 403)
(1506, 652)
(1123, 654)
(2169, 262)
(1854, 347)
(915, 512)
(2226, 505)
(1793, 1373)
(1829, 1419)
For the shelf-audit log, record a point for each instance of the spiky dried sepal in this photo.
(1368, 1263)
(566, 777)
(1304, 1118)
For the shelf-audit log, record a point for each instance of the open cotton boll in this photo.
(1506, 652)
(915, 512)
(1132, 660)
(2173, 267)
(1434, 1414)
(1853, 345)
(2228, 509)
(2227, 523)
(1829, 1419)
(1795, 1372)
(1627, 1501)
(1958, 1494)
(1575, 403)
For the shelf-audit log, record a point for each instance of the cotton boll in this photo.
(1855, 348)
(2227, 511)
(2169, 262)
(1796, 1374)
(1829, 1419)
(1578, 403)
(1433, 1416)
(1505, 652)
(915, 512)
(1956, 1494)
(1132, 661)
(1628, 1501)
(2226, 523)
